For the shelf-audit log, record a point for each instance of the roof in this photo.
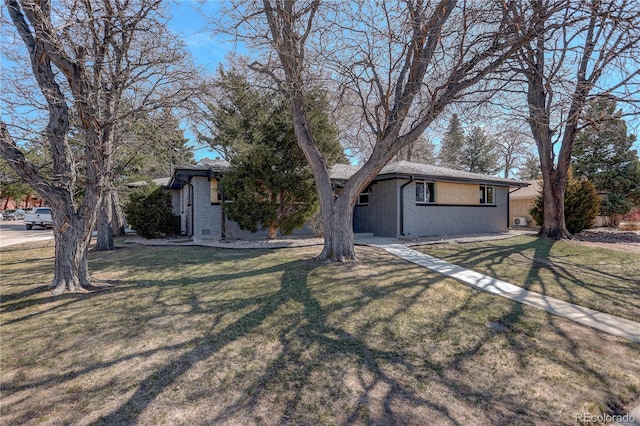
(159, 181)
(206, 167)
(527, 192)
(342, 172)
(408, 169)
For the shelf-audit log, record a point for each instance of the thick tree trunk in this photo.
(272, 233)
(71, 269)
(117, 219)
(104, 239)
(553, 193)
(72, 234)
(338, 233)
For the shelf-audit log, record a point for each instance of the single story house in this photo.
(416, 200)
(404, 200)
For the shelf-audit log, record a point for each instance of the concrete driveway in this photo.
(13, 232)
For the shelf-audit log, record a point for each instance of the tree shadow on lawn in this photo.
(291, 373)
(386, 384)
(311, 328)
(492, 256)
(565, 275)
(135, 260)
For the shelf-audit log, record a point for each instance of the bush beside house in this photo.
(149, 211)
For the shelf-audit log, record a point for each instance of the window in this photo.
(214, 194)
(363, 199)
(425, 192)
(487, 194)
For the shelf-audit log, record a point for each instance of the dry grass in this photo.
(207, 336)
(591, 276)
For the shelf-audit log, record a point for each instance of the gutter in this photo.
(411, 179)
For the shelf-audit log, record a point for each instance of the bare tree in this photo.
(404, 63)
(581, 49)
(512, 145)
(82, 55)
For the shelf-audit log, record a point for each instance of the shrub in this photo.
(613, 207)
(633, 215)
(581, 206)
(149, 211)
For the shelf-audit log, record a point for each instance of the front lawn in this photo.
(191, 335)
(598, 278)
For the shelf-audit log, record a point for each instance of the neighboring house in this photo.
(27, 202)
(521, 201)
(405, 200)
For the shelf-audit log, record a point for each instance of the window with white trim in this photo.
(363, 199)
(487, 194)
(425, 192)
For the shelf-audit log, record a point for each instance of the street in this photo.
(14, 232)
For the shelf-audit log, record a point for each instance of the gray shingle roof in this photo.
(160, 181)
(342, 172)
(419, 170)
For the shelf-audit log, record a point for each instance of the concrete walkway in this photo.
(599, 320)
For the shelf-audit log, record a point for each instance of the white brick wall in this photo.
(207, 223)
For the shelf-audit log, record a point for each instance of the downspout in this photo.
(509, 205)
(222, 217)
(402, 204)
(191, 232)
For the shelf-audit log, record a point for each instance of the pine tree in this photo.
(479, 153)
(270, 182)
(581, 205)
(421, 150)
(530, 169)
(155, 146)
(452, 145)
(603, 154)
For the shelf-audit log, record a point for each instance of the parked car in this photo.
(40, 216)
(13, 214)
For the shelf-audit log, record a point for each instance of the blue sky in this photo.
(188, 21)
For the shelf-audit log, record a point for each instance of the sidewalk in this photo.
(599, 320)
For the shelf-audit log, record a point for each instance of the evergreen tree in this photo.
(12, 186)
(155, 147)
(270, 182)
(603, 154)
(581, 205)
(421, 150)
(452, 145)
(149, 211)
(530, 169)
(479, 153)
